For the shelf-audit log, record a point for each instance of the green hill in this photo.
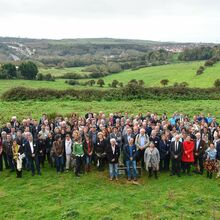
(181, 72)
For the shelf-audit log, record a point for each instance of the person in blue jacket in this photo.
(130, 154)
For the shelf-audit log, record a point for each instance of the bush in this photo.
(217, 83)
(128, 92)
(164, 82)
(72, 82)
(47, 77)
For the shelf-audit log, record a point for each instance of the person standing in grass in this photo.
(164, 149)
(113, 153)
(100, 151)
(131, 153)
(68, 151)
(199, 151)
(7, 146)
(17, 152)
(79, 155)
(49, 145)
(58, 152)
(152, 159)
(176, 150)
(142, 142)
(32, 152)
(188, 155)
(210, 163)
(88, 150)
(4, 155)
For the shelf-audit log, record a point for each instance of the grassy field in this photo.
(152, 76)
(36, 108)
(181, 72)
(92, 196)
(61, 71)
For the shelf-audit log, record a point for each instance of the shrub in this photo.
(72, 82)
(164, 82)
(217, 83)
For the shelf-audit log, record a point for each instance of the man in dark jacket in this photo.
(32, 151)
(113, 153)
(199, 151)
(7, 148)
(176, 150)
(130, 158)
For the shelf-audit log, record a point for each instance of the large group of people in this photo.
(179, 145)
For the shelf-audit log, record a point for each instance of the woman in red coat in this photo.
(188, 156)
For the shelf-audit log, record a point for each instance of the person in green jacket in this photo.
(79, 155)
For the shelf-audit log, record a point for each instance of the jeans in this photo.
(59, 163)
(88, 160)
(34, 162)
(129, 165)
(113, 170)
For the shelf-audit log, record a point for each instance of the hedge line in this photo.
(129, 92)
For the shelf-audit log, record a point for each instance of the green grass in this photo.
(61, 71)
(179, 72)
(152, 76)
(36, 108)
(8, 84)
(92, 196)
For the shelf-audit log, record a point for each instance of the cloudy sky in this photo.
(163, 20)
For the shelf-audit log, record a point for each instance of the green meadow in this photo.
(36, 108)
(180, 72)
(92, 196)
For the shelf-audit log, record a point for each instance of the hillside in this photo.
(15, 49)
(180, 72)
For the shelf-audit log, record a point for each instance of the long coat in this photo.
(188, 154)
(152, 158)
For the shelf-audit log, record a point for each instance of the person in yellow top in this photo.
(17, 158)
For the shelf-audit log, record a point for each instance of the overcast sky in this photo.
(163, 20)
